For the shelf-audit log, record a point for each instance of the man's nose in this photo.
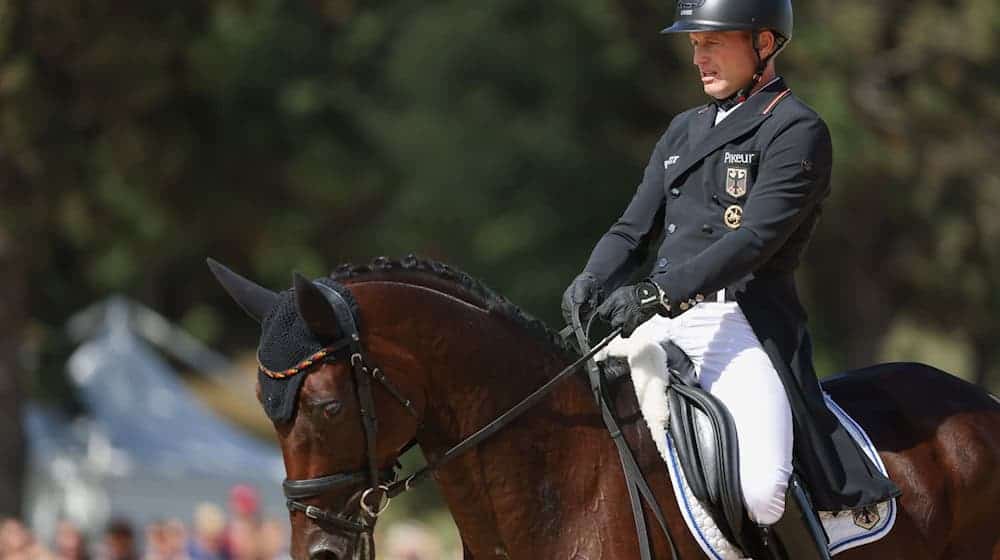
(699, 57)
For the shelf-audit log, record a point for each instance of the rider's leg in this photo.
(734, 368)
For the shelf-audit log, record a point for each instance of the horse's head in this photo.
(322, 393)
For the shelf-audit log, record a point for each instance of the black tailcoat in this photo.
(735, 205)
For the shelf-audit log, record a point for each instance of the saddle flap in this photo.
(704, 435)
(705, 439)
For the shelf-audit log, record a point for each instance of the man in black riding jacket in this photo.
(735, 189)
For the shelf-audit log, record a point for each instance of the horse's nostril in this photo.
(324, 554)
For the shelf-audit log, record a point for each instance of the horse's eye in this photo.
(332, 409)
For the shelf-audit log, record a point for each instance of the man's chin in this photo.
(717, 91)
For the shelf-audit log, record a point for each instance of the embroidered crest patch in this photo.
(736, 181)
(867, 517)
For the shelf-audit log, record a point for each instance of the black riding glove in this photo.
(584, 290)
(630, 306)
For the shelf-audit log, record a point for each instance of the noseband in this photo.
(372, 501)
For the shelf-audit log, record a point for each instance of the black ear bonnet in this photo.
(286, 340)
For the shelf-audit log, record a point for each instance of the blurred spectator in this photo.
(154, 541)
(13, 537)
(69, 542)
(241, 540)
(411, 541)
(244, 502)
(166, 540)
(175, 540)
(274, 540)
(17, 543)
(209, 532)
(242, 537)
(119, 541)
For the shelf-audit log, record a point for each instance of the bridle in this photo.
(369, 502)
(382, 485)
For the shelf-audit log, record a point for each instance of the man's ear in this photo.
(767, 43)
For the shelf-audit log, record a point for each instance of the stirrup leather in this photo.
(798, 535)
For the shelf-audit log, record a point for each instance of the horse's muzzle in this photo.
(324, 551)
(330, 547)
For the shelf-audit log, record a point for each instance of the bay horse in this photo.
(456, 355)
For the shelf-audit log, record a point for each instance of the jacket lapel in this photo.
(701, 125)
(704, 139)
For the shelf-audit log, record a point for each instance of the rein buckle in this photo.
(314, 513)
(357, 360)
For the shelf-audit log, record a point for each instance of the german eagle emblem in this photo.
(736, 181)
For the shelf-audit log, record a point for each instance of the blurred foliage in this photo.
(503, 136)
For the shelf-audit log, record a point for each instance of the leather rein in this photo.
(379, 486)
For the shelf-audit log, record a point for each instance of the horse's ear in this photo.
(314, 308)
(255, 300)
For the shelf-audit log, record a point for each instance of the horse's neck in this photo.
(548, 480)
(541, 478)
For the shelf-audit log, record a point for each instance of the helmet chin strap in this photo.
(743, 93)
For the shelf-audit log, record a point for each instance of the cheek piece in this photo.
(374, 486)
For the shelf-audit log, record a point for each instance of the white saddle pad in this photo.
(846, 530)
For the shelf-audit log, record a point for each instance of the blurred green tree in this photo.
(910, 93)
(141, 138)
(503, 136)
(13, 322)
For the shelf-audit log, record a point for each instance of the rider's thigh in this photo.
(737, 371)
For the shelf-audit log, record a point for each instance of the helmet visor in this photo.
(692, 26)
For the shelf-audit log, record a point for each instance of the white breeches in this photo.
(732, 366)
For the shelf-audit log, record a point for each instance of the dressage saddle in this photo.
(704, 436)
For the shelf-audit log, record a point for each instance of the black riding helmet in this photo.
(737, 15)
(733, 15)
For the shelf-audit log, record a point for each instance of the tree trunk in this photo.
(12, 322)
(984, 362)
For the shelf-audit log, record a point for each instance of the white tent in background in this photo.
(147, 449)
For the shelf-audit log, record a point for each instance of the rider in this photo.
(735, 188)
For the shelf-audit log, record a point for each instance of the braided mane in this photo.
(468, 289)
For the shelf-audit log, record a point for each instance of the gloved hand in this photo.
(585, 289)
(630, 306)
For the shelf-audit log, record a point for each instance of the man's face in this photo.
(725, 60)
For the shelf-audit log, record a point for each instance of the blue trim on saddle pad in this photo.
(868, 447)
(685, 507)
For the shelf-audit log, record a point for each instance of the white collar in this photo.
(720, 114)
